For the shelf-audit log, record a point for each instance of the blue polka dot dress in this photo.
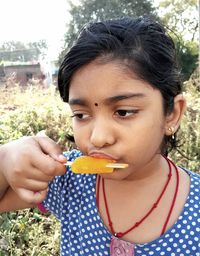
(71, 198)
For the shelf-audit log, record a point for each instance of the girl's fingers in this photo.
(36, 174)
(47, 165)
(32, 185)
(50, 148)
(39, 152)
(31, 197)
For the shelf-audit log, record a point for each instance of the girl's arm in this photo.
(11, 202)
(27, 166)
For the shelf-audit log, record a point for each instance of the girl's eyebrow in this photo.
(117, 98)
(109, 100)
(77, 101)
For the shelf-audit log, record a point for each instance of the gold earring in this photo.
(172, 131)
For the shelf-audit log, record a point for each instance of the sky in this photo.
(33, 20)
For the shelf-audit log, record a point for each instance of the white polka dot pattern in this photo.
(72, 199)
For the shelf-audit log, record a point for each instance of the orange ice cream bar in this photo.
(92, 165)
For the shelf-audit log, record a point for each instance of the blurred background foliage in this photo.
(27, 111)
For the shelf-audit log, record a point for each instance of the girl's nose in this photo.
(102, 134)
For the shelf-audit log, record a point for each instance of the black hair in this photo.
(140, 43)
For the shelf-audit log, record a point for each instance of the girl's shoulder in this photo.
(194, 190)
(194, 176)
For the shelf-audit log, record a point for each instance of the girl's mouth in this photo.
(101, 155)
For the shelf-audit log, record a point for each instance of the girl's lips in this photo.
(101, 155)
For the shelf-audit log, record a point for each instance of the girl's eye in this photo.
(80, 116)
(126, 113)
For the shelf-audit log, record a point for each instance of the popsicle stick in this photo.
(109, 165)
(69, 163)
(116, 165)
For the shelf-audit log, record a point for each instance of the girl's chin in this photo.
(117, 174)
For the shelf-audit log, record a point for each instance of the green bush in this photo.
(28, 232)
(31, 111)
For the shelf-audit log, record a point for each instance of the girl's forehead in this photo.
(99, 82)
(116, 68)
(109, 75)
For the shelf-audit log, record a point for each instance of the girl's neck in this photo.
(129, 200)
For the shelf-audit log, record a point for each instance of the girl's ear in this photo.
(174, 118)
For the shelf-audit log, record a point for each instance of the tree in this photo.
(187, 56)
(18, 51)
(181, 17)
(95, 10)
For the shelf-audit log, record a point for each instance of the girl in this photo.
(122, 83)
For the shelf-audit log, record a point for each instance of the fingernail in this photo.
(62, 159)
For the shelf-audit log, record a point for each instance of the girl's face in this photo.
(118, 116)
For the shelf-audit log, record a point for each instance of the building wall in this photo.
(24, 72)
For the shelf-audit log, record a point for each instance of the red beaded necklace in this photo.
(121, 234)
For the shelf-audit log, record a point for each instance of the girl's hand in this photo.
(28, 164)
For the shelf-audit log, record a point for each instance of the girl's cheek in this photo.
(80, 139)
